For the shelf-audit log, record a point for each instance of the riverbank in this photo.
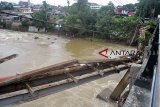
(67, 36)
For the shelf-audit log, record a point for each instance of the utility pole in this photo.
(153, 12)
(45, 8)
(68, 2)
(29, 4)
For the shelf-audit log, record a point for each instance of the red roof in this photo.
(127, 12)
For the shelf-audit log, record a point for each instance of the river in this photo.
(49, 49)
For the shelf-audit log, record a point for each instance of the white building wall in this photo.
(35, 29)
(32, 29)
(95, 7)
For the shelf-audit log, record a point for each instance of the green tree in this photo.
(25, 23)
(6, 6)
(131, 7)
(82, 2)
(84, 21)
(103, 26)
(107, 10)
(104, 20)
(81, 20)
(148, 8)
(42, 17)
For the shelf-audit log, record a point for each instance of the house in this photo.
(26, 10)
(94, 6)
(10, 18)
(23, 4)
(123, 12)
(6, 17)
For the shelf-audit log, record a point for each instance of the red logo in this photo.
(104, 53)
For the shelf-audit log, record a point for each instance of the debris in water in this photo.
(8, 58)
(36, 37)
(44, 44)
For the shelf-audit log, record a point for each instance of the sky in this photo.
(64, 2)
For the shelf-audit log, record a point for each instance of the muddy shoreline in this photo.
(63, 35)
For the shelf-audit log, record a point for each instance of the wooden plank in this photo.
(15, 93)
(28, 75)
(129, 77)
(52, 84)
(115, 68)
(58, 72)
(61, 66)
(120, 59)
(29, 88)
(71, 76)
(8, 58)
(100, 72)
(120, 87)
(121, 67)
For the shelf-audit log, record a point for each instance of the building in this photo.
(23, 4)
(16, 6)
(94, 6)
(124, 12)
(5, 17)
(36, 7)
(26, 10)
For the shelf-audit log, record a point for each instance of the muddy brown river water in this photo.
(50, 49)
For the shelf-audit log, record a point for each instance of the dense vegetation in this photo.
(6, 6)
(84, 22)
(148, 8)
(42, 17)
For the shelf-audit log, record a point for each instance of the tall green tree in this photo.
(84, 21)
(104, 20)
(82, 2)
(81, 20)
(148, 8)
(131, 7)
(42, 17)
(107, 10)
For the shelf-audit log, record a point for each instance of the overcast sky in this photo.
(64, 2)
